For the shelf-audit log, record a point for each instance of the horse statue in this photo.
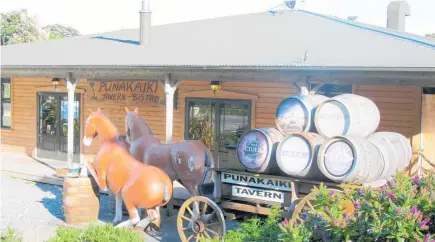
(137, 184)
(187, 162)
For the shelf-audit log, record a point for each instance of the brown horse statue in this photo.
(137, 184)
(188, 161)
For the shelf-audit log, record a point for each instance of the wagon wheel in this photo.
(200, 218)
(304, 206)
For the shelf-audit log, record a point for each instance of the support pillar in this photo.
(170, 88)
(71, 86)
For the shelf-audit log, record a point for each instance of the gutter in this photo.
(169, 68)
(418, 76)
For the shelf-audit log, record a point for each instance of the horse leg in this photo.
(157, 222)
(153, 214)
(133, 214)
(118, 209)
(192, 187)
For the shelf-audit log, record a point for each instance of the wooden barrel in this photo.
(395, 149)
(256, 150)
(294, 114)
(350, 159)
(347, 114)
(81, 200)
(296, 155)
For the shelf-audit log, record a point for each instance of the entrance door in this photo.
(53, 126)
(218, 123)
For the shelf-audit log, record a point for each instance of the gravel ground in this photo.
(35, 210)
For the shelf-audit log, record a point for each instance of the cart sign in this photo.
(256, 181)
(257, 193)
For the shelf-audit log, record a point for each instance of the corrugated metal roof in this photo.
(288, 38)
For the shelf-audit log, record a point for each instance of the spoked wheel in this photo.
(200, 218)
(303, 206)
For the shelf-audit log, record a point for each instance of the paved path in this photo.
(35, 210)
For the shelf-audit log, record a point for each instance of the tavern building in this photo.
(234, 71)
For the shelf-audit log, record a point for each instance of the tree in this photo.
(56, 31)
(431, 35)
(19, 27)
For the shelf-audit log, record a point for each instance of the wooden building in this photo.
(256, 59)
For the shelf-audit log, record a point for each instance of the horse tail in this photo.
(208, 160)
(166, 194)
(209, 165)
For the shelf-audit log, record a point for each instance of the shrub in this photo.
(255, 229)
(404, 210)
(11, 235)
(94, 233)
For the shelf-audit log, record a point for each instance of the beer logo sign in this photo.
(253, 149)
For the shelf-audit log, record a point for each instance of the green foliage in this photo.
(401, 211)
(256, 229)
(432, 35)
(18, 27)
(56, 31)
(11, 235)
(201, 129)
(295, 234)
(94, 233)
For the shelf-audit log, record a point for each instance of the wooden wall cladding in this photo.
(400, 107)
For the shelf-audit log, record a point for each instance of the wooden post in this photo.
(71, 86)
(170, 88)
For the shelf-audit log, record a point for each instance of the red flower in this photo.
(399, 211)
(331, 193)
(391, 195)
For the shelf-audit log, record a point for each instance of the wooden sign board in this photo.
(147, 93)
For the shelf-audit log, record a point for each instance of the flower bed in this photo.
(402, 211)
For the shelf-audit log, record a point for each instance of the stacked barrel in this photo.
(323, 139)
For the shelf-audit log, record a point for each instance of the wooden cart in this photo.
(238, 193)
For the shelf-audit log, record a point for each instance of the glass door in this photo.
(48, 126)
(53, 126)
(202, 122)
(218, 123)
(234, 120)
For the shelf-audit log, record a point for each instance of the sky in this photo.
(97, 16)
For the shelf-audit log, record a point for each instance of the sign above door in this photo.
(147, 93)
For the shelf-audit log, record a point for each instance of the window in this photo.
(5, 103)
(428, 90)
(218, 123)
(331, 90)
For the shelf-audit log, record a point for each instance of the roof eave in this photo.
(410, 76)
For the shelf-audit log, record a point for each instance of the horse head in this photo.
(98, 124)
(135, 126)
